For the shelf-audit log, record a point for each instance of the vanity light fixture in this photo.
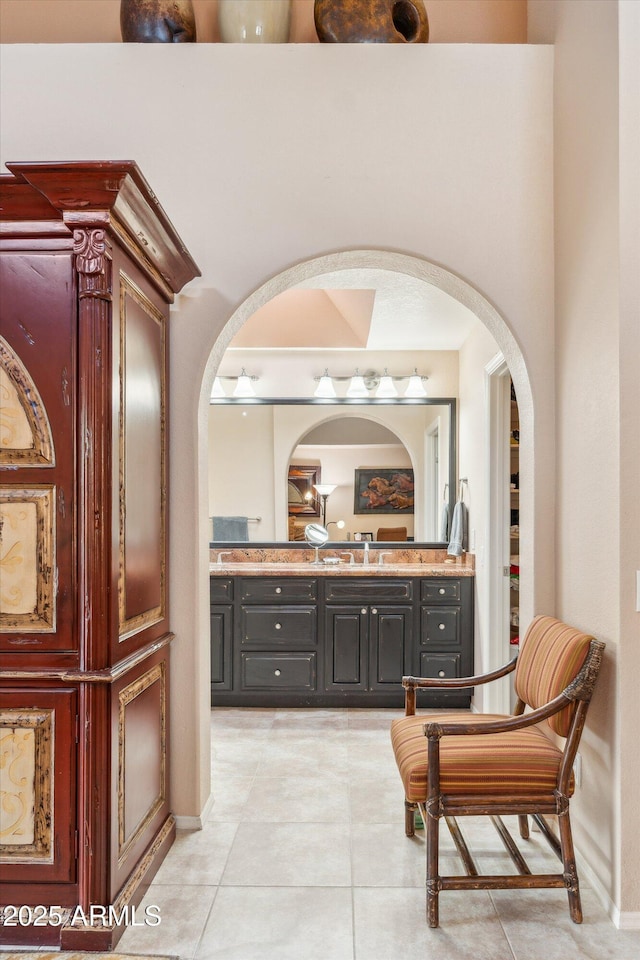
(325, 388)
(414, 387)
(244, 386)
(217, 389)
(386, 387)
(357, 389)
(361, 385)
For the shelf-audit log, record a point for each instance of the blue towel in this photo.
(457, 544)
(230, 528)
(444, 523)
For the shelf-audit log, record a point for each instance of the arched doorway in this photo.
(456, 288)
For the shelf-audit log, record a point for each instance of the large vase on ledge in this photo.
(371, 21)
(254, 21)
(157, 21)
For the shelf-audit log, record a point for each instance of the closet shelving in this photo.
(514, 530)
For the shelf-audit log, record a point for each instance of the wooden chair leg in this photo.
(569, 864)
(523, 821)
(410, 818)
(432, 827)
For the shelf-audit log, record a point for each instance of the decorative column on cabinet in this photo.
(89, 266)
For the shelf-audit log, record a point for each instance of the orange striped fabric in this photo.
(517, 763)
(551, 655)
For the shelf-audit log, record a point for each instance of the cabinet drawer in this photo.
(220, 590)
(440, 665)
(275, 624)
(360, 590)
(278, 671)
(440, 627)
(440, 591)
(261, 589)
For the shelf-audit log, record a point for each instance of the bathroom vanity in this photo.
(290, 632)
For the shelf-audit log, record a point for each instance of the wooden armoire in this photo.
(89, 265)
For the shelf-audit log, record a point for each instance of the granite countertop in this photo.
(341, 569)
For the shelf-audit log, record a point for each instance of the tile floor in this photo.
(304, 858)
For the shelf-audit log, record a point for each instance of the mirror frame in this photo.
(449, 402)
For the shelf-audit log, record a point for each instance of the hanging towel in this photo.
(444, 523)
(231, 528)
(457, 543)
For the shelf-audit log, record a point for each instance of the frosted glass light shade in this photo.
(325, 388)
(216, 389)
(324, 489)
(357, 387)
(414, 387)
(243, 387)
(386, 387)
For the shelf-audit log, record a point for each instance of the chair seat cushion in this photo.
(517, 763)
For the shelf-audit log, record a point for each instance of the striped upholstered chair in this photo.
(455, 765)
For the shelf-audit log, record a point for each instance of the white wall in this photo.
(597, 169)
(266, 157)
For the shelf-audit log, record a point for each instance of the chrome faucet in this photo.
(365, 556)
(382, 555)
(225, 553)
(348, 553)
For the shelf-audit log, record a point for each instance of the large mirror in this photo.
(366, 470)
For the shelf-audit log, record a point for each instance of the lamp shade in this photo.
(325, 388)
(243, 386)
(386, 387)
(216, 389)
(357, 387)
(324, 489)
(414, 387)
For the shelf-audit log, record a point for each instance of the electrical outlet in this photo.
(577, 770)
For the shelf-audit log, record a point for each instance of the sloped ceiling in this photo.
(362, 309)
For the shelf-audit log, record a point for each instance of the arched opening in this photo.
(438, 279)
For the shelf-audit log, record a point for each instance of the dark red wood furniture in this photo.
(89, 266)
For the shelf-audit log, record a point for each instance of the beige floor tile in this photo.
(375, 800)
(270, 923)
(391, 923)
(183, 911)
(289, 854)
(538, 924)
(198, 856)
(298, 799)
(229, 797)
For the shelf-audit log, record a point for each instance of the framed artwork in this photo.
(300, 483)
(385, 490)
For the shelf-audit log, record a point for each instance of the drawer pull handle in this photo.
(441, 590)
(364, 610)
(278, 589)
(277, 673)
(441, 626)
(441, 673)
(278, 626)
(374, 610)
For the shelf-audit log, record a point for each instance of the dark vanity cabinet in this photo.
(368, 634)
(337, 641)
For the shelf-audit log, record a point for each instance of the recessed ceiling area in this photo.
(361, 309)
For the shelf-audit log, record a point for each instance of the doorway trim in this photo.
(497, 393)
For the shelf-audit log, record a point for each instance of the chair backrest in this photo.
(391, 533)
(551, 656)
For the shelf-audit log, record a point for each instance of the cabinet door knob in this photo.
(277, 673)
(278, 626)
(278, 589)
(364, 610)
(374, 610)
(441, 673)
(441, 590)
(441, 626)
